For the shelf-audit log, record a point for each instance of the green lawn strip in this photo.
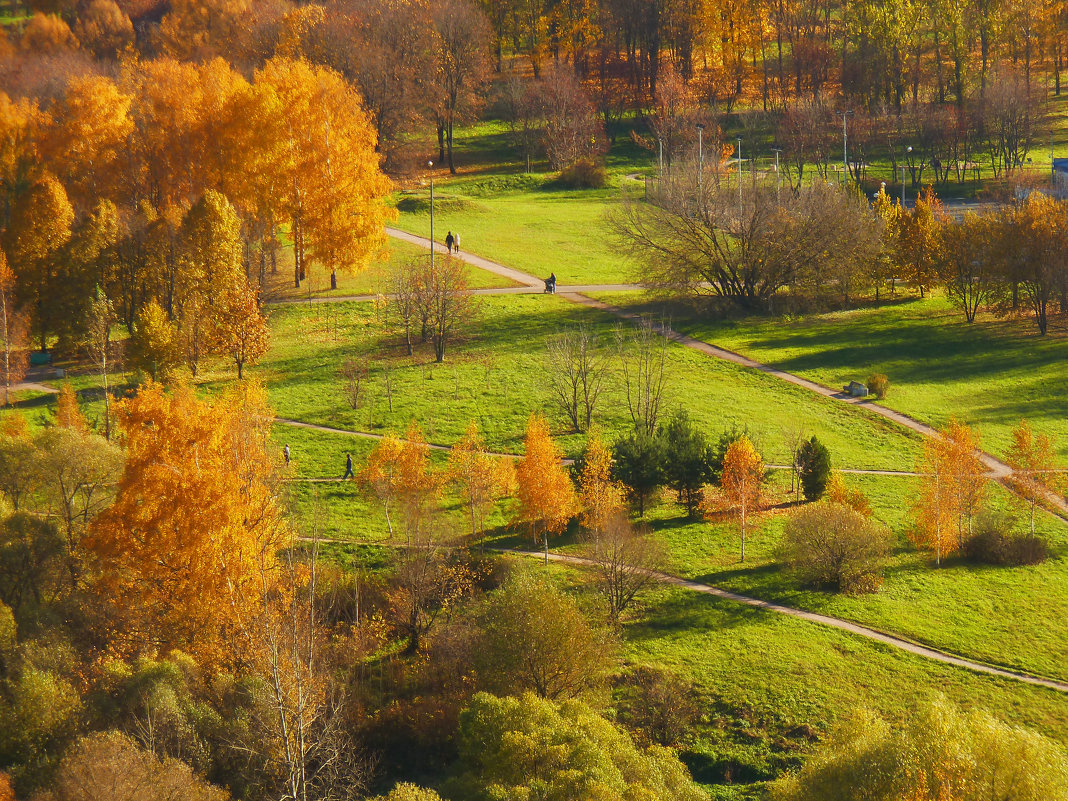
(528, 223)
(769, 683)
(1007, 616)
(499, 377)
(989, 374)
(371, 281)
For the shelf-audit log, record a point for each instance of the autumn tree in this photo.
(196, 519)
(239, 328)
(461, 55)
(481, 479)
(545, 496)
(152, 344)
(1036, 476)
(577, 369)
(826, 544)
(742, 483)
(105, 29)
(1038, 257)
(98, 343)
(918, 242)
(601, 497)
(12, 332)
(572, 130)
(381, 474)
(40, 225)
(68, 412)
(532, 637)
(968, 262)
(952, 486)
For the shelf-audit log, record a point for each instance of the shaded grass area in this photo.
(989, 374)
(501, 376)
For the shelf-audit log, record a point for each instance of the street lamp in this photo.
(903, 168)
(430, 164)
(700, 156)
(660, 141)
(845, 148)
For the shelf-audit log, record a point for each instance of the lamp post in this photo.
(845, 146)
(700, 157)
(660, 141)
(430, 164)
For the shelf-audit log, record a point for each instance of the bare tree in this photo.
(100, 318)
(642, 354)
(708, 239)
(404, 286)
(354, 374)
(1011, 119)
(577, 368)
(448, 304)
(626, 561)
(573, 131)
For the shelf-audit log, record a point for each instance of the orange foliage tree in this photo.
(196, 524)
(480, 478)
(240, 330)
(68, 412)
(12, 332)
(417, 484)
(1035, 474)
(601, 498)
(952, 489)
(380, 475)
(545, 496)
(742, 483)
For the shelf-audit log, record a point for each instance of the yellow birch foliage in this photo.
(546, 498)
(842, 494)
(68, 412)
(380, 474)
(240, 330)
(952, 489)
(188, 548)
(417, 485)
(480, 478)
(742, 483)
(601, 497)
(1034, 463)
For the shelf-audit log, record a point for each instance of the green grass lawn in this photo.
(989, 374)
(371, 281)
(500, 376)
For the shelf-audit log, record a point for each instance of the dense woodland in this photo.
(169, 629)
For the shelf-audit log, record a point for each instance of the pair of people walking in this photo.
(348, 462)
(452, 242)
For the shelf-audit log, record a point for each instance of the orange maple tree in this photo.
(190, 541)
(545, 496)
(240, 330)
(380, 475)
(68, 412)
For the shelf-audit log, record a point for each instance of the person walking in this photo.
(348, 467)
(456, 243)
(285, 453)
(448, 242)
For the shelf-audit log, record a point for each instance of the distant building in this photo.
(1060, 178)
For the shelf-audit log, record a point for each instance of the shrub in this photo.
(878, 385)
(658, 706)
(584, 174)
(994, 542)
(814, 461)
(830, 545)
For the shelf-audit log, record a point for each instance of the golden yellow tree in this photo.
(742, 483)
(196, 523)
(68, 412)
(417, 484)
(601, 497)
(918, 240)
(481, 479)
(240, 330)
(12, 332)
(842, 494)
(380, 475)
(327, 175)
(953, 483)
(545, 496)
(1034, 463)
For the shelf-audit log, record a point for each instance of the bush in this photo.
(994, 542)
(584, 174)
(829, 545)
(878, 385)
(658, 706)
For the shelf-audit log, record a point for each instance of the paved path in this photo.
(827, 620)
(33, 386)
(561, 289)
(475, 261)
